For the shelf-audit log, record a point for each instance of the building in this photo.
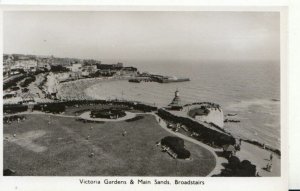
(26, 65)
(117, 66)
(6, 69)
(8, 61)
(88, 69)
(129, 71)
(176, 102)
(43, 64)
(75, 67)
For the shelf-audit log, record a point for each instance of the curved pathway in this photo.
(219, 160)
(162, 123)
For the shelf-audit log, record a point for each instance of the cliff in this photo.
(206, 112)
(214, 116)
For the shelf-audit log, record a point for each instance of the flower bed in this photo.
(107, 113)
(176, 144)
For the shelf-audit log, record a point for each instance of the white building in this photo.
(75, 67)
(26, 65)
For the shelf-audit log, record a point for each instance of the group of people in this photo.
(269, 165)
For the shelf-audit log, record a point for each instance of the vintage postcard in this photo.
(143, 97)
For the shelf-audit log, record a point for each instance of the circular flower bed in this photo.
(108, 113)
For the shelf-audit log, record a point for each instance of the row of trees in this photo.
(58, 107)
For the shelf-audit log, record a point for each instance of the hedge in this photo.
(129, 104)
(15, 108)
(50, 107)
(206, 135)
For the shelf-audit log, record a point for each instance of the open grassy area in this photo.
(63, 147)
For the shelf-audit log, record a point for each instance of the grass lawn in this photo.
(69, 142)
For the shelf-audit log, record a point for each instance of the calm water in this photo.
(245, 89)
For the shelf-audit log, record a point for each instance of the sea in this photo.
(249, 90)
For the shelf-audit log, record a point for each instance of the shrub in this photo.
(233, 162)
(13, 81)
(27, 81)
(176, 144)
(107, 113)
(13, 118)
(7, 96)
(239, 169)
(58, 68)
(15, 108)
(246, 169)
(24, 90)
(50, 107)
(15, 88)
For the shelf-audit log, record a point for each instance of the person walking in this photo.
(268, 167)
(271, 157)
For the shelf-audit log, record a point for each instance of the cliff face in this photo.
(214, 116)
(51, 83)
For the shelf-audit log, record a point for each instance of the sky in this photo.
(190, 37)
